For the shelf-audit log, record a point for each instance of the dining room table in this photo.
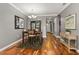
(33, 37)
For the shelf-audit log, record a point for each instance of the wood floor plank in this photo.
(51, 46)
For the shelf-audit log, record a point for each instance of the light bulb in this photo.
(32, 16)
(29, 16)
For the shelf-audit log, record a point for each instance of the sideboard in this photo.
(69, 40)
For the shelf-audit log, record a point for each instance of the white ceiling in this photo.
(50, 9)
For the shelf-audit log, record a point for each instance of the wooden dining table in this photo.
(32, 38)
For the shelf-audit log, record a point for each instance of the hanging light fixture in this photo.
(32, 16)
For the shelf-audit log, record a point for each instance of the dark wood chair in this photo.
(24, 36)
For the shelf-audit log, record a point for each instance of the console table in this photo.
(69, 40)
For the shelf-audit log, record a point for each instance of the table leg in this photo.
(22, 38)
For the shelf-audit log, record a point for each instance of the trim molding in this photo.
(39, 15)
(47, 15)
(10, 45)
(27, 15)
(16, 8)
(64, 8)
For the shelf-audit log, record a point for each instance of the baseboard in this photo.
(10, 45)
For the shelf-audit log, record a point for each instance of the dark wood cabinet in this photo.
(36, 25)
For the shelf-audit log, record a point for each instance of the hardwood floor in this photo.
(51, 46)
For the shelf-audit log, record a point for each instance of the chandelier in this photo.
(32, 16)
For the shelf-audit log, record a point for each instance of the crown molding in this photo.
(64, 8)
(27, 15)
(48, 15)
(16, 8)
(41, 14)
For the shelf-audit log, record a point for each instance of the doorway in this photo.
(50, 25)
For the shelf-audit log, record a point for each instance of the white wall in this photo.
(56, 25)
(48, 27)
(8, 33)
(43, 25)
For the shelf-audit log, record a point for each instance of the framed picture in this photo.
(19, 22)
(70, 22)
